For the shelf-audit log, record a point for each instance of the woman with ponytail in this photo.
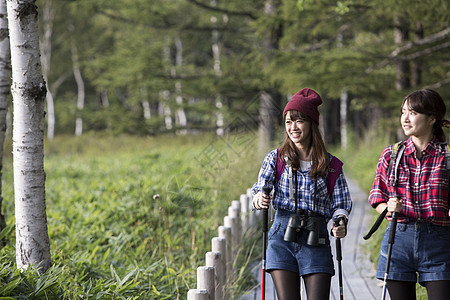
(421, 199)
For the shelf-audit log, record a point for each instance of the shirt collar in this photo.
(431, 148)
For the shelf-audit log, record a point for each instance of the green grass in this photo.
(126, 215)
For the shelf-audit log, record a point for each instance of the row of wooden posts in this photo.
(213, 277)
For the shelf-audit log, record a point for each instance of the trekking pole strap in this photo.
(376, 224)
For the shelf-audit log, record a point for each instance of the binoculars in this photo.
(303, 220)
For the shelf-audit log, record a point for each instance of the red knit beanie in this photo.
(305, 101)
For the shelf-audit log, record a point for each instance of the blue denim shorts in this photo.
(420, 248)
(297, 256)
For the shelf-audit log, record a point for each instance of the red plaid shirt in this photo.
(422, 184)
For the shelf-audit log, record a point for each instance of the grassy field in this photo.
(132, 218)
(129, 217)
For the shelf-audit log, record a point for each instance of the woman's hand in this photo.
(261, 201)
(340, 231)
(394, 205)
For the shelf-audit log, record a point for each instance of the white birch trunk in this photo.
(145, 104)
(164, 95)
(5, 90)
(164, 109)
(218, 71)
(48, 16)
(180, 115)
(343, 114)
(80, 90)
(28, 91)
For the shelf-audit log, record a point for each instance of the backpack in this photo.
(397, 153)
(334, 168)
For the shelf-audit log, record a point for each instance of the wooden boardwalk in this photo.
(358, 274)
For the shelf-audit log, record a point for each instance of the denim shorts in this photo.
(418, 247)
(297, 256)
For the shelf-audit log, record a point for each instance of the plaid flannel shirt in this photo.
(340, 203)
(422, 184)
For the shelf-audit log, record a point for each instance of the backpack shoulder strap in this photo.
(446, 150)
(279, 167)
(397, 153)
(333, 173)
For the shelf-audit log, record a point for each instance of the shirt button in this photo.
(416, 184)
(423, 152)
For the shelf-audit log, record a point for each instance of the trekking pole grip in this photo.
(338, 241)
(393, 228)
(265, 221)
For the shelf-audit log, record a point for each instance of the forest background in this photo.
(176, 73)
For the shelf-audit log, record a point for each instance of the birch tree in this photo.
(28, 91)
(5, 86)
(48, 17)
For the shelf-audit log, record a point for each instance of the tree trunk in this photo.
(180, 115)
(164, 95)
(28, 91)
(145, 104)
(80, 90)
(269, 112)
(48, 16)
(5, 90)
(270, 98)
(215, 47)
(402, 65)
(343, 117)
(416, 65)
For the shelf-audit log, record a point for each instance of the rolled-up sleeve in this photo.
(341, 200)
(379, 192)
(266, 176)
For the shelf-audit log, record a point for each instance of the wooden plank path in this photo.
(358, 274)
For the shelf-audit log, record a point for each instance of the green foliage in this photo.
(126, 216)
(128, 51)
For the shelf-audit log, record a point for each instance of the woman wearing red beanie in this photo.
(308, 192)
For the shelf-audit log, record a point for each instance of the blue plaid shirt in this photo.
(339, 204)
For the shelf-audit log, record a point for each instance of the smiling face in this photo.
(416, 124)
(298, 129)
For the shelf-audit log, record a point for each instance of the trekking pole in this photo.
(265, 229)
(339, 259)
(390, 244)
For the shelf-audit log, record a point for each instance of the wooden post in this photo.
(235, 231)
(252, 218)
(232, 223)
(214, 259)
(236, 207)
(225, 232)
(197, 294)
(244, 199)
(218, 244)
(205, 281)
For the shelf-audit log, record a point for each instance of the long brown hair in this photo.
(430, 103)
(316, 149)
